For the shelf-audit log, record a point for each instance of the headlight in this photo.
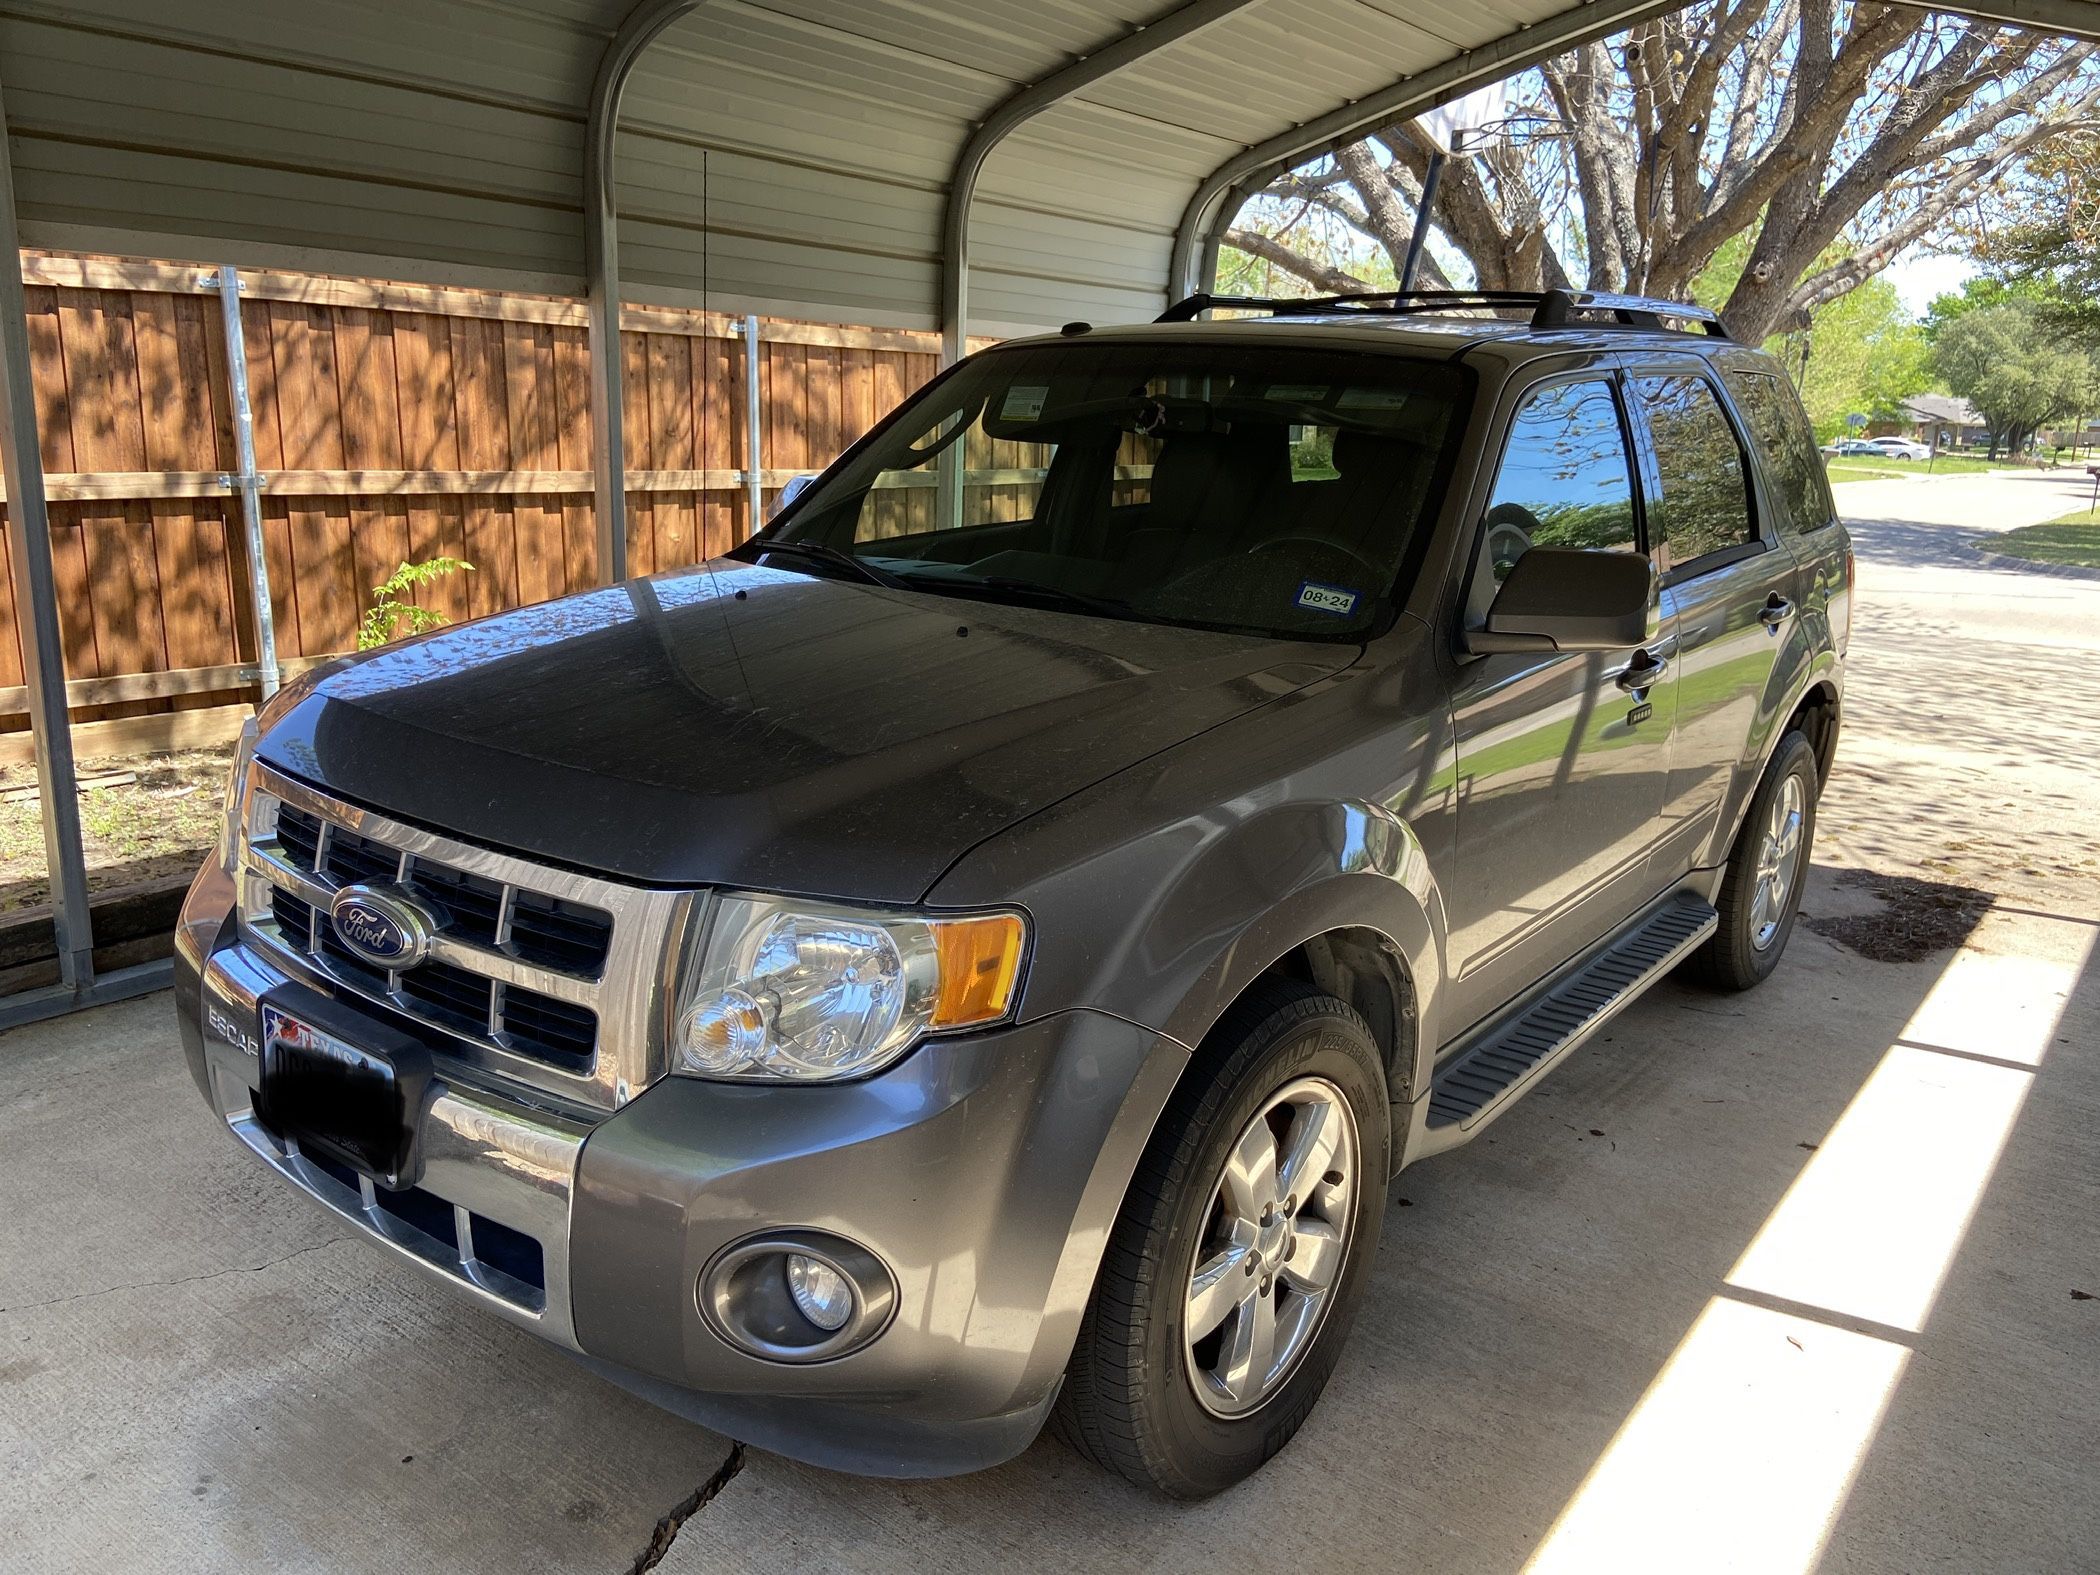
(236, 794)
(789, 991)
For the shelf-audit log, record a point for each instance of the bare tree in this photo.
(1828, 135)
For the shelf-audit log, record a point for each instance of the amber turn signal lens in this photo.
(980, 962)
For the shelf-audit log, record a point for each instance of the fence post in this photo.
(754, 429)
(248, 481)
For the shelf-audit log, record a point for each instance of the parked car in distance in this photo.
(1845, 446)
(1899, 447)
(976, 955)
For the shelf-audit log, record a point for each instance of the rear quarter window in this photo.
(1787, 446)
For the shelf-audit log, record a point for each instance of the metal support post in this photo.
(754, 428)
(1420, 239)
(1127, 49)
(601, 263)
(248, 481)
(36, 611)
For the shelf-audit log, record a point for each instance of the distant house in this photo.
(1944, 421)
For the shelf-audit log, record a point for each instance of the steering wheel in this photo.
(1373, 575)
(1510, 529)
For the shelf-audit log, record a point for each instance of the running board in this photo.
(1485, 1078)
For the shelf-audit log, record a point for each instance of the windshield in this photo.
(1265, 490)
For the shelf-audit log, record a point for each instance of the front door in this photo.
(1562, 759)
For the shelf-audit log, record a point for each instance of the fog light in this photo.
(820, 1291)
(796, 1295)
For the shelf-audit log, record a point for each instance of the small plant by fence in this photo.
(393, 615)
(393, 424)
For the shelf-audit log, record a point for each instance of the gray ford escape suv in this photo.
(980, 951)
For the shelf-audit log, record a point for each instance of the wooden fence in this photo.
(392, 422)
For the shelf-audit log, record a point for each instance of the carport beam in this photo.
(36, 611)
(601, 237)
(1015, 112)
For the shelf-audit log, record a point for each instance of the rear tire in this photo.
(1295, 1085)
(1761, 891)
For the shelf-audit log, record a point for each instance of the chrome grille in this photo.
(551, 931)
(535, 975)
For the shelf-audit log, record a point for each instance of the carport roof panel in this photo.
(444, 139)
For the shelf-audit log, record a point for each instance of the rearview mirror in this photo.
(1571, 599)
(796, 486)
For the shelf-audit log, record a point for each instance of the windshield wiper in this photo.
(818, 552)
(1035, 590)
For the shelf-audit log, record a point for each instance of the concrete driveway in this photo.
(1798, 1279)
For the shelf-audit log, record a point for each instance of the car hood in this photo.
(743, 726)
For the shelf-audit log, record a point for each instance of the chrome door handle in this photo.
(1776, 610)
(1642, 672)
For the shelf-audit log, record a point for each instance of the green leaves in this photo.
(2019, 373)
(392, 615)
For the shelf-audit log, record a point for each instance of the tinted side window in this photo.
(1792, 464)
(1565, 482)
(1705, 502)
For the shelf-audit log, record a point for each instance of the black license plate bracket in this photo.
(344, 1083)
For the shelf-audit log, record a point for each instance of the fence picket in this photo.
(360, 387)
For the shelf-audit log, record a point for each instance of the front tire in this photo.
(1230, 1281)
(1761, 890)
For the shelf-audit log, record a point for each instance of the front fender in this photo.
(1282, 878)
(1160, 893)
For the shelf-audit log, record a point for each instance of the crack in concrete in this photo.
(667, 1528)
(187, 1279)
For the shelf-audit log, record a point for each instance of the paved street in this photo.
(1775, 1282)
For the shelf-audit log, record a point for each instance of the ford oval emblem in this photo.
(381, 926)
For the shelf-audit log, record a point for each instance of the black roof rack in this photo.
(1549, 308)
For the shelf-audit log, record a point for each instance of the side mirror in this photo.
(796, 486)
(1570, 599)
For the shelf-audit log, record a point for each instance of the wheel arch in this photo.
(1814, 705)
(1367, 944)
(1365, 969)
(1815, 714)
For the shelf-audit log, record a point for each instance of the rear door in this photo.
(1798, 489)
(1562, 758)
(1728, 585)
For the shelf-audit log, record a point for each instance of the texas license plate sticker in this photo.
(281, 1028)
(1316, 597)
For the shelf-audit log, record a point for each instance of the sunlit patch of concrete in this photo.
(1742, 1451)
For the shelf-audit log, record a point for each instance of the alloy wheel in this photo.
(1274, 1243)
(1778, 861)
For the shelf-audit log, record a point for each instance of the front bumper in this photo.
(985, 1172)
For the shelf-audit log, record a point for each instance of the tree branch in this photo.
(1948, 192)
(1825, 88)
(1334, 281)
(1759, 62)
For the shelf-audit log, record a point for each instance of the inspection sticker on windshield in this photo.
(1326, 598)
(1023, 403)
(1373, 398)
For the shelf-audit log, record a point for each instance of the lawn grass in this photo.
(1866, 467)
(2074, 539)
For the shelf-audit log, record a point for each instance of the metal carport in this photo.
(999, 165)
